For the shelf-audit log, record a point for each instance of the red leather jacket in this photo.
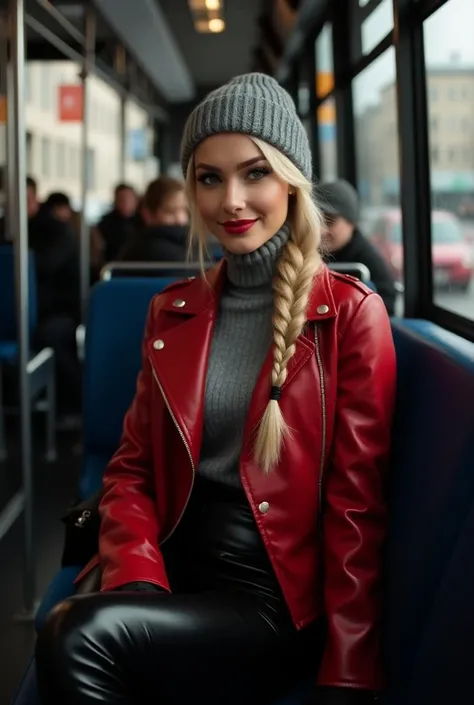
(321, 512)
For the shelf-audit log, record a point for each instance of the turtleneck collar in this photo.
(257, 268)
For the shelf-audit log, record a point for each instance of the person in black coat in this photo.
(164, 238)
(344, 241)
(57, 268)
(119, 225)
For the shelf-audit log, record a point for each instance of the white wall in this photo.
(54, 154)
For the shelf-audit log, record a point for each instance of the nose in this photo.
(234, 197)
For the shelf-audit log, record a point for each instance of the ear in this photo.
(291, 190)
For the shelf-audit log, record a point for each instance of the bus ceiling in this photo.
(163, 52)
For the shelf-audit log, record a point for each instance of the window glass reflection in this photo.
(327, 139)
(324, 62)
(378, 178)
(377, 25)
(449, 60)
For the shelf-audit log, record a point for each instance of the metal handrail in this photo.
(61, 20)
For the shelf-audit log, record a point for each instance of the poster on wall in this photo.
(70, 103)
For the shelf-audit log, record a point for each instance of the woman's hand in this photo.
(139, 586)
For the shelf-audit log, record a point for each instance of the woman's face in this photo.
(242, 202)
(173, 210)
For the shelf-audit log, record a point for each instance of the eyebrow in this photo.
(242, 165)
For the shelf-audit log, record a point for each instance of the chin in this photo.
(241, 247)
(243, 244)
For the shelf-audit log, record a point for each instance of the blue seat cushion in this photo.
(8, 351)
(432, 488)
(114, 333)
(62, 586)
(92, 472)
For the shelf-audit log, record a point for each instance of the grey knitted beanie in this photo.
(252, 104)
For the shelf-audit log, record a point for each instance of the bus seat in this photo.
(114, 331)
(173, 270)
(432, 503)
(8, 310)
(40, 366)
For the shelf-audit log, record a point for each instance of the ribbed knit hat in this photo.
(252, 104)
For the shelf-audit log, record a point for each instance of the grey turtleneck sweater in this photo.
(241, 340)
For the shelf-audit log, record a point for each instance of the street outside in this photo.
(460, 302)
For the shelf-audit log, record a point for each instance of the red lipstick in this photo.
(238, 227)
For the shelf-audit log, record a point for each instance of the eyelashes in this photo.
(211, 178)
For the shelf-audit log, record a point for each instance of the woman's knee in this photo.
(83, 621)
(77, 651)
(66, 628)
(58, 624)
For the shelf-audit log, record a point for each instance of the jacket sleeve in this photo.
(128, 540)
(354, 513)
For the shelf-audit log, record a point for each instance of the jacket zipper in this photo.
(323, 425)
(187, 449)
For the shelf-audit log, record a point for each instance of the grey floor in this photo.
(54, 488)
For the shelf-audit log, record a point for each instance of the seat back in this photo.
(8, 308)
(177, 270)
(355, 269)
(432, 498)
(114, 332)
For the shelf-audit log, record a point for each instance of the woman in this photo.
(165, 234)
(243, 514)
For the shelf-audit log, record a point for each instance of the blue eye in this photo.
(208, 179)
(257, 174)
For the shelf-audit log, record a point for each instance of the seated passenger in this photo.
(346, 243)
(243, 516)
(58, 285)
(117, 226)
(164, 237)
(59, 206)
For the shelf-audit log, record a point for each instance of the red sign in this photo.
(70, 103)
(3, 110)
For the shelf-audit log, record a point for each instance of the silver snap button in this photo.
(191, 278)
(263, 507)
(322, 309)
(158, 345)
(179, 303)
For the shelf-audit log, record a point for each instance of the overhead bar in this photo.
(53, 39)
(63, 21)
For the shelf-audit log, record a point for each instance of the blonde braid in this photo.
(299, 262)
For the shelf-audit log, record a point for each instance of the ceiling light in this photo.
(216, 25)
(201, 26)
(213, 4)
(197, 5)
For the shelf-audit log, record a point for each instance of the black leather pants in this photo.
(223, 636)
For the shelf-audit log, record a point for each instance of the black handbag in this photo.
(82, 524)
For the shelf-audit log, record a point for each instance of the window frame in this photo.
(413, 125)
